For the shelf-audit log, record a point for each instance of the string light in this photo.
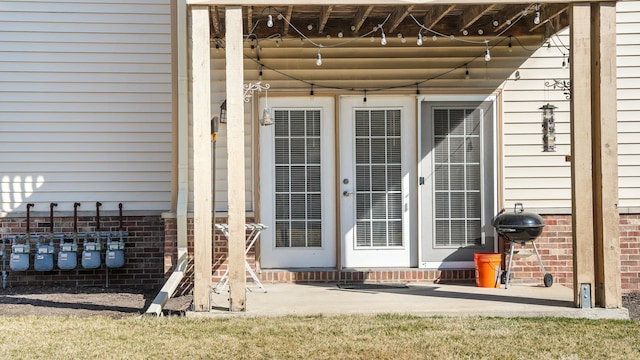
(487, 54)
(260, 73)
(383, 38)
(402, 39)
(536, 18)
(311, 92)
(303, 37)
(270, 21)
(466, 72)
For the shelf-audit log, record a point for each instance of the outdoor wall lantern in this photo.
(223, 112)
(548, 128)
(266, 118)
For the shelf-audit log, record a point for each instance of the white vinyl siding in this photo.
(543, 180)
(85, 104)
(628, 71)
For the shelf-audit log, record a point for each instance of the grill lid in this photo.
(519, 219)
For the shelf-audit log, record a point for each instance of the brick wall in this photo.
(630, 252)
(144, 251)
(554, 245)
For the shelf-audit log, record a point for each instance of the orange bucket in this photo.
(487, 269)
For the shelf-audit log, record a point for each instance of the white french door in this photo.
(297, 183)
(377, 153)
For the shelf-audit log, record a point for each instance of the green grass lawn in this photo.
(318, 337)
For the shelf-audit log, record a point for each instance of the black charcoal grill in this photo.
(520, 227)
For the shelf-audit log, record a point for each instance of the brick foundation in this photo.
(144, 250)
(554, 244)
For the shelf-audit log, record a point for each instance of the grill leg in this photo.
(506, 282)
(535, 248)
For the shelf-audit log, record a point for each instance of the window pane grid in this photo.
(457, 177)
(298, 205)
(378, 178)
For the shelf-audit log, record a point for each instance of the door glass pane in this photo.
(457, 177)
(378, 187)
(298, 178)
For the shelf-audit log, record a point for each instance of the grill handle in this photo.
(518, 208)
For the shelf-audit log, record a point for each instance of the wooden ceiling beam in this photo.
(398, 15)
(214, 21)
(324, 17)
(361, 16)
(287, 17)
(249, 18)
(435, 14)
(549, 13)
(472, 14)
(508, 16)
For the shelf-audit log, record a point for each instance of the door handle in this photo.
(346, 193)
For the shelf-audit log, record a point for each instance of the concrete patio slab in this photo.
(415, 299)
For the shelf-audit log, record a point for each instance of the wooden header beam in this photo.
(359, 2)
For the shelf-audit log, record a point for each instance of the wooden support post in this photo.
(581, 156)
(202, 186)
(605, 156)
(235, 160)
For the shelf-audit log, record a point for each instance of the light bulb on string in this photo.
(536, 17)
(319, 58)
(270, 21)
(487, 54)
(510, 44)
(419, 41)
(383, 40)
(466, 72)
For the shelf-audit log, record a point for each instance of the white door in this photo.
(297, 183)
(376, 155)
(457, 175)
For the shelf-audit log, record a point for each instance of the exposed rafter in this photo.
(508, 15)
(285, 32)
(249, 18)
(324, 17)
(435, 14)
(361, 16)
(399, 14)
(473, 14)
(550, 12)
(214, 20)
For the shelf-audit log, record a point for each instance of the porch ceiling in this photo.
(458, 20)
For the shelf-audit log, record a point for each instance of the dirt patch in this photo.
(82, 302)
(632, 303)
